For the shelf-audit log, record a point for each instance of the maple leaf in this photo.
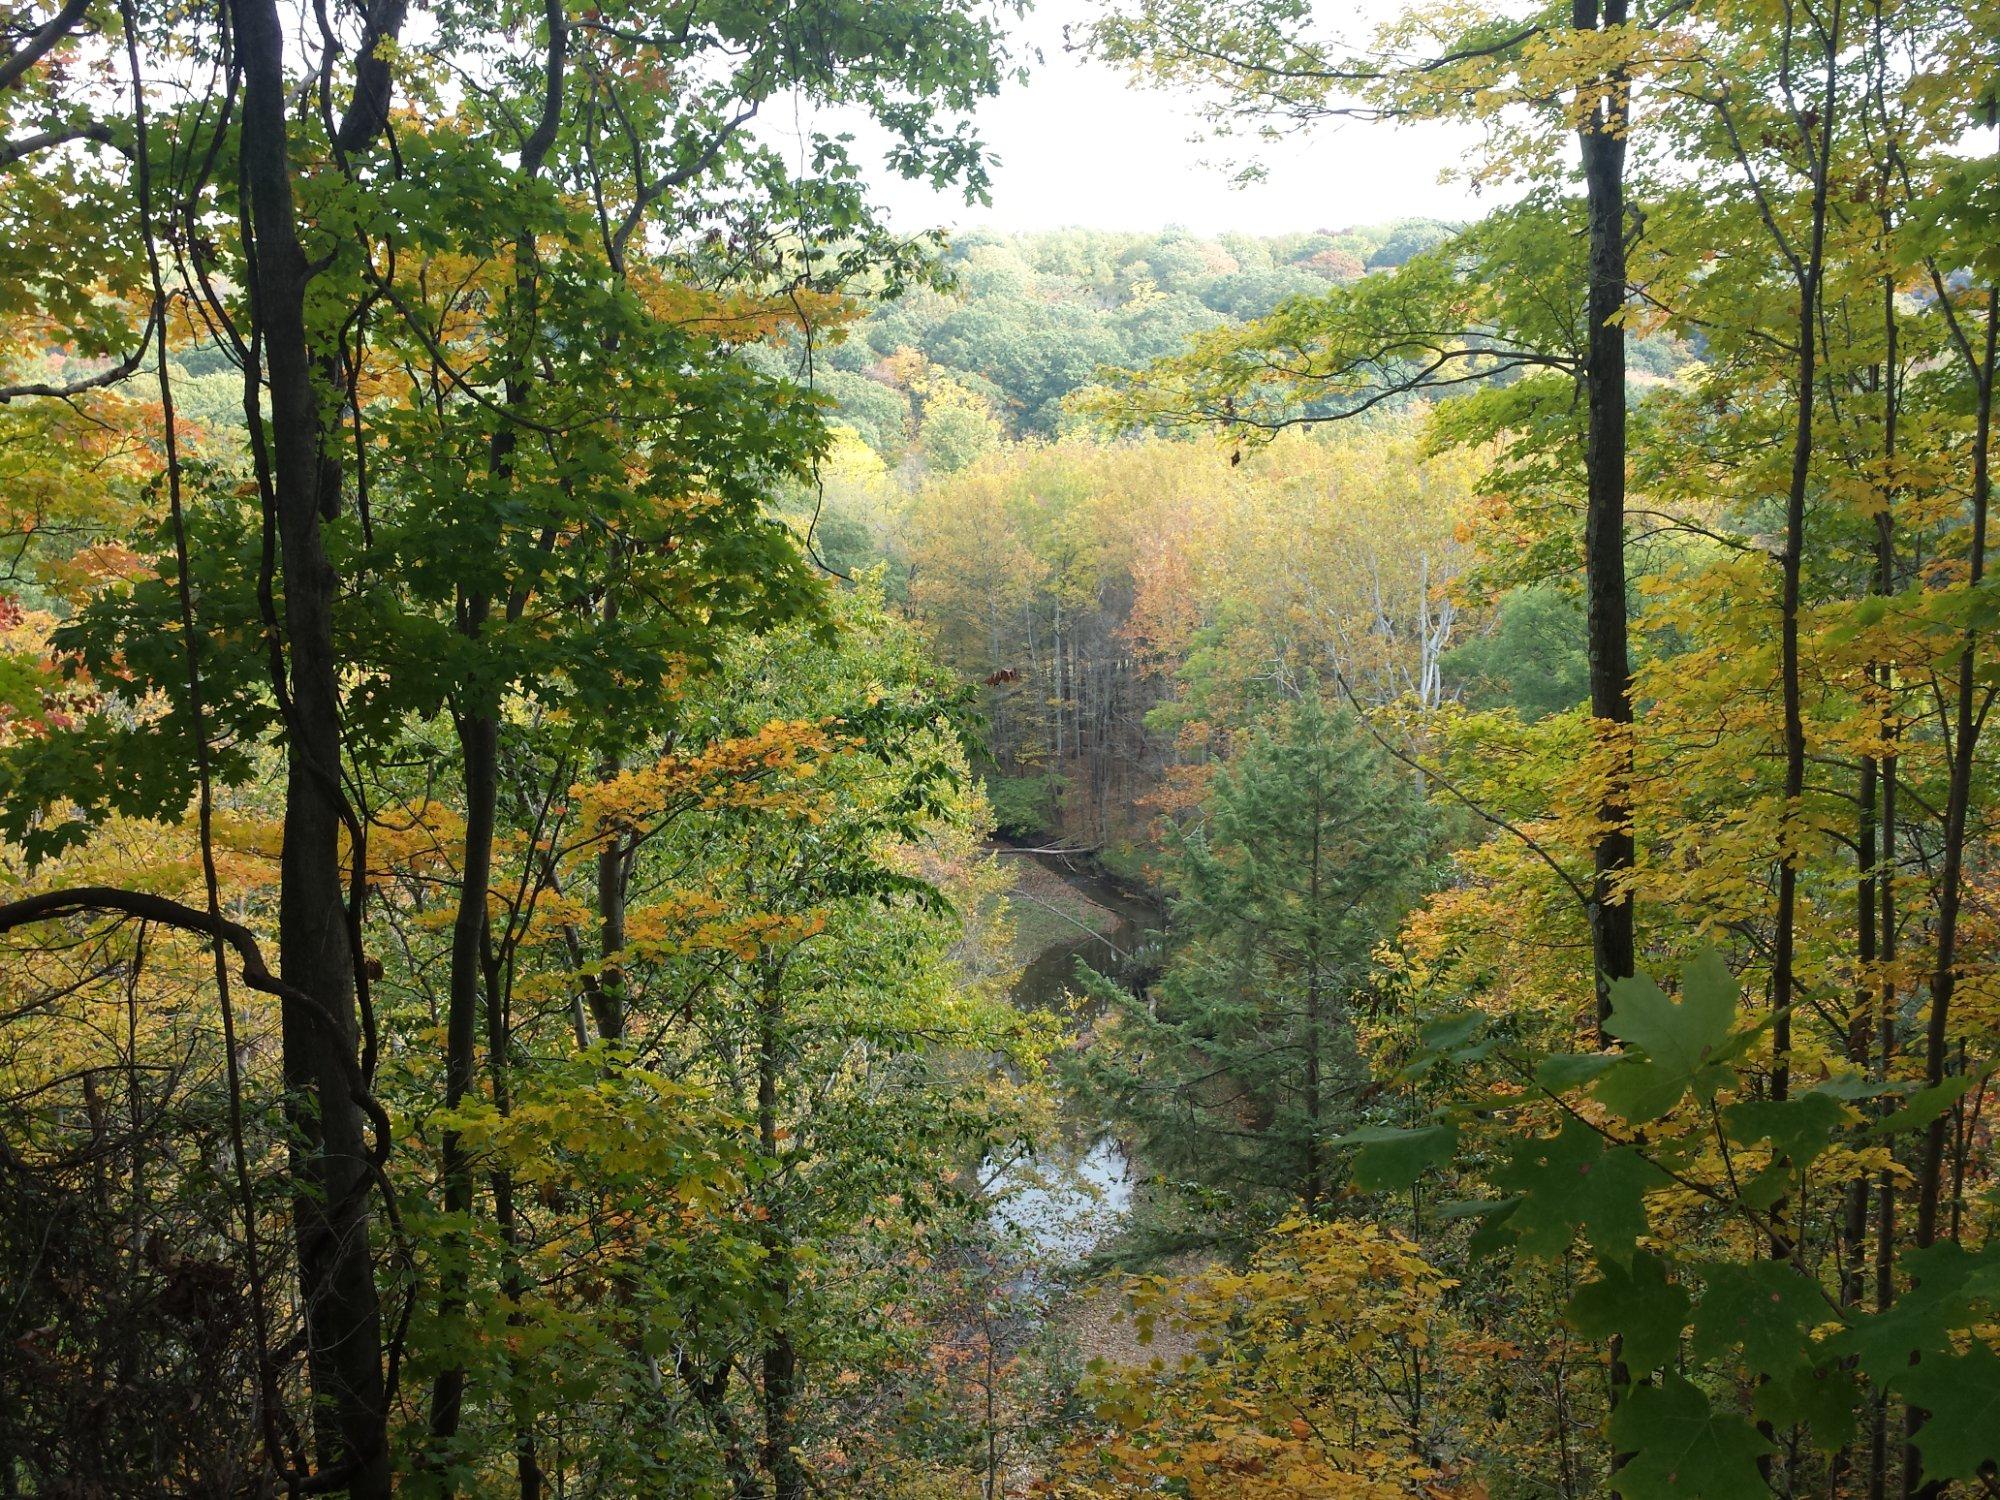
(1681, 1044)
(1820, 1403)
(1390, 1158)
(1570, 1181)
(1637, 1304)
(1566, 1070)
(1767, 1307)
(1798, 1128)
(1683, 1448)
(1953, 1288)
(1961, 1393)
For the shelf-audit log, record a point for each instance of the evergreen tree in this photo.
(1232, 1071)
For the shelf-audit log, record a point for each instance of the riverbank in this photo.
(1069, 1196)
(1068, 1201)
(1049, 910)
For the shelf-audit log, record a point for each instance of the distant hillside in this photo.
(1032, 317)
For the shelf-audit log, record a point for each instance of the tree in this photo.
(956, 427)
(458, 288)
(1232, 1071)
(1530, 658)
(1266, 65)
(1343, 1332)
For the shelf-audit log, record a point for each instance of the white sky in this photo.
(1079, 146)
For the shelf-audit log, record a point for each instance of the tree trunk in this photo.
(780, 1357)
(1314, 1186)
(1968, 718)
(607, 990)
(1784, 937)
(1884, 889)
(513, 1285)
(479, 738)
(1967, 722)
(1602, 137)
(331, 1163)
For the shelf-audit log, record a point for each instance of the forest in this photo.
(664, 835)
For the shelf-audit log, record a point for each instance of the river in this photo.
(1069, 1196)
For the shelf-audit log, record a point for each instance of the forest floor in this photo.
(1097, 1325)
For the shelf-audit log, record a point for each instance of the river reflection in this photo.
(1068, 1198)
(1059, 1211)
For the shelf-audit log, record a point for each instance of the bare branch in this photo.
(56, 135)
(60, 25)
(102, 378)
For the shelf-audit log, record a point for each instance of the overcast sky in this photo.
(1078, 145)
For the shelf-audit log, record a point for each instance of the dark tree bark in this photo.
(1602, 137)
(478, 737)
(1968, 721)
(1883, 888)
(780, 1358)
(606, 990)
(1807, 271)
(332, 1165)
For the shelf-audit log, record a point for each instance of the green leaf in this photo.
(1567, 1070)
(1927, 1104)
(1462, 1038)
(1961, 1393)
(1821, 1402)
(1569, 1182)
(1389, 1158)
(1683, 1448)
(1638, 1305)
(1798, 1129)
(1953, 1289)
(1470, 1208)
(1496, 1229)
(1679, 1042)
(1857, 1087)
(1863, 614)
(1766, 1307)
(1767, 1187)
(1450, 1035)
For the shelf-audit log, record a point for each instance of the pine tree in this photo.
(1232, 1071)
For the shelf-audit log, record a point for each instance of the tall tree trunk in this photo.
(1315, 1187)
(1884, 888)
(1861, 1014)
(780, 1356)
(513, 1284)
(1785, 936)
(1602, 137)
(331, 1164)
(479, 740)
(606, 990)
(1968, 720)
